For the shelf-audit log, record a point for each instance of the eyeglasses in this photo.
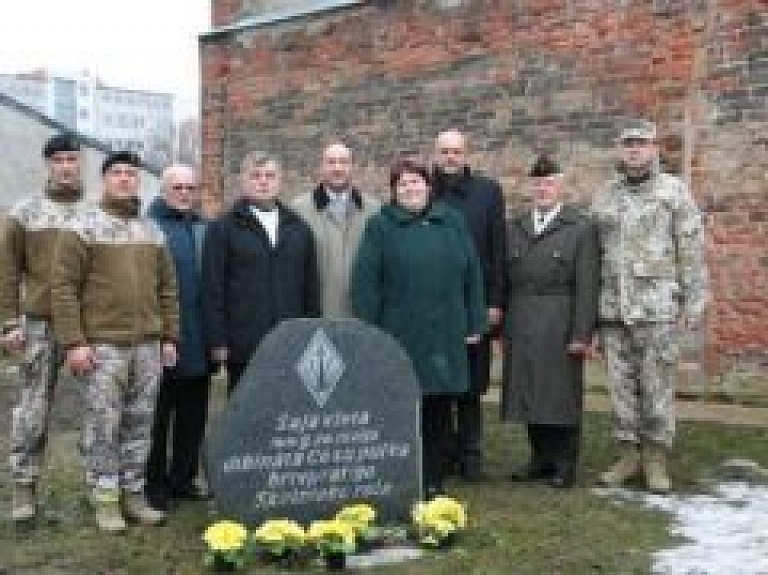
(188, 187)
(636, 143)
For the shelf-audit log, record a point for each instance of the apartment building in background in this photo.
(121, 118)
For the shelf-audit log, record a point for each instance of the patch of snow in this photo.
(726, 532)
(387, 556)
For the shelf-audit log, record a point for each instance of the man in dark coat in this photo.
(552, 284)
(481, 202)
(182, 398)
(259, 268)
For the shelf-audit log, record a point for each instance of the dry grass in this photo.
(515, 529)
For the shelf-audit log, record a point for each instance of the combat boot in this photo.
(136, 507)
(625, 468)
(106, 503)
(24, 506)
(655, 467)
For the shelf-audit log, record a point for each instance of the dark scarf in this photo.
(121, 207)
(635, 179)
(450, 182)
(63, 193)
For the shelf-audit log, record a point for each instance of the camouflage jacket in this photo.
(27, 240)
(651, 238)
(113, 281)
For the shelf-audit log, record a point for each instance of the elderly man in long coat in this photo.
(551, 299)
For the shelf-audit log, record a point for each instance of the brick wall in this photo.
(518, 76)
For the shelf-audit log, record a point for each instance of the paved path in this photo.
(686, 410)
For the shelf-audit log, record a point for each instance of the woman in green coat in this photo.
(418, 278)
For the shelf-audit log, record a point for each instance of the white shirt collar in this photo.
(541, 220)
(269, 221)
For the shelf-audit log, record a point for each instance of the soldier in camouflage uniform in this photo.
(26, 244)
(115, 311)
(653, 287)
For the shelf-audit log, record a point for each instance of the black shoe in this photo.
(472, 469)
(157, 497)
(189, 493)
(564, 476)
(533, 471)
(433, 490)
(434, 485)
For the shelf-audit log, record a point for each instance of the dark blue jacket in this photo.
(184, 233)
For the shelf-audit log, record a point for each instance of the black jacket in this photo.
(481, 201)
(250, 286)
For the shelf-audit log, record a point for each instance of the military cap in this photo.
(638, 130)
(544, 167)
(60, 143)
(125, 157)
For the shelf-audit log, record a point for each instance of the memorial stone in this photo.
(326, 414)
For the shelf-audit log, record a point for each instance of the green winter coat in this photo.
(419, 279)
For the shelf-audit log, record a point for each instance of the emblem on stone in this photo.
(320, 367)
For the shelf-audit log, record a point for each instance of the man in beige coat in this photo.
(336, 212)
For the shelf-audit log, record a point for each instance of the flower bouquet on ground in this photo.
(439, 521)
(334, 540)
(227, 546)
(280, 541)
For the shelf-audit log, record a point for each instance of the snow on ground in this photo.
(726, 532)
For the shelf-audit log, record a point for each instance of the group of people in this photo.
(144, 307)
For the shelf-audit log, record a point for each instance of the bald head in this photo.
(336, 166)
(181, 187)
(451, 151)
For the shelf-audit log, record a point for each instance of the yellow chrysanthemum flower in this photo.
(333, 531)
(280, 531)
(357, 514)
(225, 536)
(451, 510)
(442, 527)
(438, 510)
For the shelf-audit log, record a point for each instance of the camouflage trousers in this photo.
(642, 365)
(119, 408)
(38, 372)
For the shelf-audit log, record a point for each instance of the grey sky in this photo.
(142, 44)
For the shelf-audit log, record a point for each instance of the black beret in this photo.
(130, 158)
(60, 143)
(544, 167)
